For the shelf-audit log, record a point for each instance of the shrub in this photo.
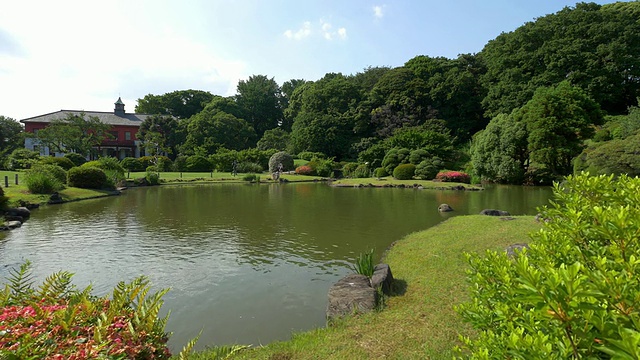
(164, 163)
(131, 164)
(248, 167)
(362, 171)
(404, 171)
(281, 158)
(198, 163)
(321, 167)
(111, 167)
(53, 170)
(574, 292)
(56, 318)
(428, 169)
(76, 158)
(308, 155)
(250, 177)
(395, 157)
(87, 177)
(349, 168)
(21, 159)
(453, 176)
(152, 177)
(619, 156)
(304, 170)
(418, 156)
(180, 163)
(42, 182)
(380, 172)
(223, 159)
(62, 162)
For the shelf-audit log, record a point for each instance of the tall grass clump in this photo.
(45, 179)
(364, 264)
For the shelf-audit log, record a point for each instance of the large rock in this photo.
(445, 208)
(382, 277)
(19, 211)
(494, 212)
(351, 294)
(511, 250)
(9, 225)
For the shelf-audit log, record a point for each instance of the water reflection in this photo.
(246, 263)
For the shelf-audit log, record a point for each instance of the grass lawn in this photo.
(389, 180)
(217, 176)
(419, 322)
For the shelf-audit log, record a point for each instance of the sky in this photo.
(83, 55)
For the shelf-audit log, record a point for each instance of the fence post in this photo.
(6, 181)
(16, 179)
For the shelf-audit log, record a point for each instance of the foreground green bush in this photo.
(39, 182)
(57, 321)
(86, 177)
(575, 292)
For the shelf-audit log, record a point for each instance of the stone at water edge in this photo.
(12, 224)
(445, 208)
(494, 212)
(352, 293)
(19, 211)
(382, 277)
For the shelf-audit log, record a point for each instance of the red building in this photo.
(124, 127)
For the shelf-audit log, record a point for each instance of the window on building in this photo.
(114, 135)
(127, 135)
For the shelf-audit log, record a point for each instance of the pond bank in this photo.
(419, 321)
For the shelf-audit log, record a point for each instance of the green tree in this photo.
(260, 100)
(274, 139)
(75, 133)
(499, 153)
(574, 293)
(10, 135)
(617, 156)
(595, 47)
(558, 120)
(212, 129)
(181, 104)
(161, 135)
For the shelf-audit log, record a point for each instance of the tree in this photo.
(181, 104)
(499, 153)
(10, 135)
(574, 293)
(74, 134)
(558, 120)
(259, 98)
(595, 47)
(161, 135)
(212, 129)
(274, 139)
(328, 134)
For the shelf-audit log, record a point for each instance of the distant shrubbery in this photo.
(453, 176)
(308, 155)
(281, 158)
(21, 159)
(45, 179)
(63, 162)
(304, 170)
(404, 171)
(76, 158)
(86, 177)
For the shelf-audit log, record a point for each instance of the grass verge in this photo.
(419, 322)
(390, 181)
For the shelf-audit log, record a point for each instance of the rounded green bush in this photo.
(76, 158)
(404, 171)
(62, 162)
(281, 158)
(361, 172)
(381, 172)
(429, 168)
(53, 170)
(349, 168)
(41, 182)
(152, 178)
(198, 163)
(86, 177)
(131, 164)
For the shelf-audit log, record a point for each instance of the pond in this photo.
(247, 264)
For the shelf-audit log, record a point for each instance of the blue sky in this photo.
(82, 55)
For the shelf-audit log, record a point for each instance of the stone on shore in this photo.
(351, 294)
(19, 211)
(382, 277)
(494, 212)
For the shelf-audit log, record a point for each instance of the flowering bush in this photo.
(56, 321)
(304, 170)
(453, 176)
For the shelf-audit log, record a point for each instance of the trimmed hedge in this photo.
(404, 171)
(62, 162)
(86, 177)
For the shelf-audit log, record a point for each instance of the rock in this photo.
(493, 212)
(458, 187)
(19, 211)
(13, 218)
(382, 277)
(515, 248)
(351, 294)
(507, 218)
(55, 198)
(12, 224)
(445, 208)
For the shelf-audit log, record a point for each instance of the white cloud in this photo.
(301, 33)
(342, 32)
(378, 11)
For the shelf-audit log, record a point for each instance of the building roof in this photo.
(107, 117)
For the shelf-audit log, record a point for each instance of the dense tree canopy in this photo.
(161, 134)
(181, 104)
(10, 135)
(259, 98)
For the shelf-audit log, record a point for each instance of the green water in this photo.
(246, 264)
